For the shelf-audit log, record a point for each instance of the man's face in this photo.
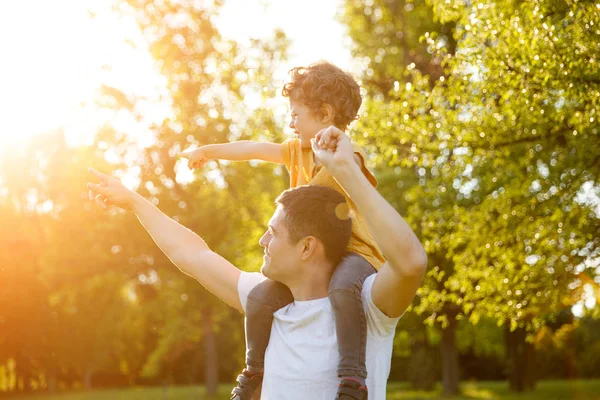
(280, 256)
(304, 122)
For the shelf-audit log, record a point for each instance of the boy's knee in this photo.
(271, 293)
(350, 273)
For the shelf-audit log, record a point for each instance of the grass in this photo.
(548, 390)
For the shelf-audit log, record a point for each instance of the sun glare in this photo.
(44, 77)
(58, 53)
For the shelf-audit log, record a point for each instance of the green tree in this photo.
(503, 143)
(51, 255)
(387, 39)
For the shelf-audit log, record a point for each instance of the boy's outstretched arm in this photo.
(183, 247)
(242, 150)
(398, 279)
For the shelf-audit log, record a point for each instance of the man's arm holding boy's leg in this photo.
(398, 280)
(183, 247)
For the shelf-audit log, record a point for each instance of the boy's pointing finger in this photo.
(97, 189)
(103, 177)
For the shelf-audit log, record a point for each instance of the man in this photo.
(302, 356)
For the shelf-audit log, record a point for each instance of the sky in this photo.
(59, 55)
(315, 35)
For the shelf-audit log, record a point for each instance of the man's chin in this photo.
(265, 270)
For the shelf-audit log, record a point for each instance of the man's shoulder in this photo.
(367, 288)
(247, 282)
(379, 324)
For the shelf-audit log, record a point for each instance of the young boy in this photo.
(321, 95)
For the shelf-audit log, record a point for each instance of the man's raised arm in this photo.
(398, 280)
(184, 248)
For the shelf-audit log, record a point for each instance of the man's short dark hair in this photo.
(321, 212)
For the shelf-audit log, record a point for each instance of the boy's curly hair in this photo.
(324, 83)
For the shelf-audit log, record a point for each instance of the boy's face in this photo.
(305, 123)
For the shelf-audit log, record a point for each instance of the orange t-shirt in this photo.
(303, 171)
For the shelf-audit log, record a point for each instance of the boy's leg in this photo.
(345, 294)
(266, 298)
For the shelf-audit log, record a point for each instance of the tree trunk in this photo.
(520, 360)
(211, 367)
(449, 359)
(570, 363)
(530, 374)
(51, 379)
(23, 373)
(132, 378)
(87, 378)
(421, 365)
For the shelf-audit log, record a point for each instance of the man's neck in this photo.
(313, 284)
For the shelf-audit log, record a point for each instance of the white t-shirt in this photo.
(302, 357)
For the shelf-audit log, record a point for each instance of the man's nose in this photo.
(292, 124)
(263, 241)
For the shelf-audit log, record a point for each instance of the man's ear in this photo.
(309, 247)
(327, 113)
